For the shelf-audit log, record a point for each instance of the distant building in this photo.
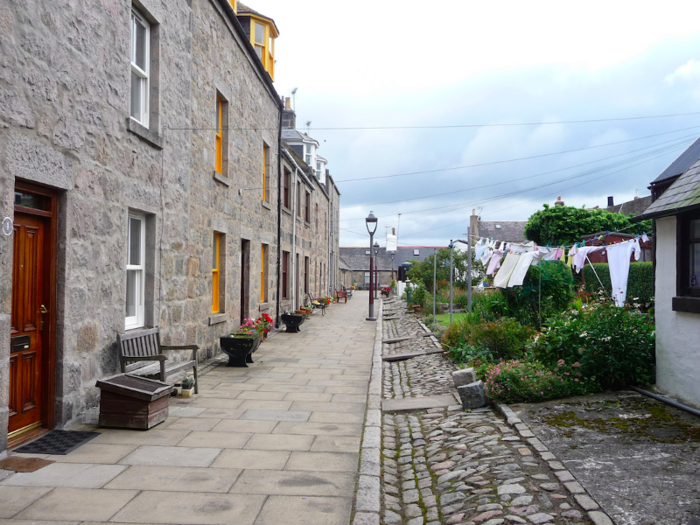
(357, 259)
(508, 231)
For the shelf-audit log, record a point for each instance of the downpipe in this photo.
(667, 401)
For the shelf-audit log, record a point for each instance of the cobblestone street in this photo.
(447, 466)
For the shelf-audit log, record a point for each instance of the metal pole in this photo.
(434, 280)
(451, 279)
(376, 274)
(469, 272)
(371, 271)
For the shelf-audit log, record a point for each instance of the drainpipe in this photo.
(328, 266)
(294, 241)
(667, 401)
(279, 213)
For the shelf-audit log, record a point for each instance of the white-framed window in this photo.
(308, 153)
(135, 271)
(140, 67)
(367, 278)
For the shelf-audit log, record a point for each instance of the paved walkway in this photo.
(276, 443)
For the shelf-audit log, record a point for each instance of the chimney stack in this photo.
(611, 202)
(559, 202)
(393, 231)
(289, 117)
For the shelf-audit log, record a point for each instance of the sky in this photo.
(473, 105)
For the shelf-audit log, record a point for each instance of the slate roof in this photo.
(509, 231)
(682, 163)
(633, 207)
(291, 134)
(358, 259)
(682, 195)
(342, 264)
(244, 10)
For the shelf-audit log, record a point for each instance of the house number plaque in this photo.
(7, 226)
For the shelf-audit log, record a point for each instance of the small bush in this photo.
(546, 291)
(504, 338)
(613, 345)
(640, 283)
(528, 381)
(419, 295)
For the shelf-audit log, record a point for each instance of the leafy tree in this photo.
(559, 225)
(423, 271)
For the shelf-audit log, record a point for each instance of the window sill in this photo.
(286, 210)
(264, 307)
(686, 304)
(223, 179)
(144, 133)
(218, 318)
(267, 205)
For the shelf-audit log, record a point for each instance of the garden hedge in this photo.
(640, 283)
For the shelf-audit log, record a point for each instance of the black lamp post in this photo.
(371, 223)
(376, 268)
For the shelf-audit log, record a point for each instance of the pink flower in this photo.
(560, 362)
(576, 364)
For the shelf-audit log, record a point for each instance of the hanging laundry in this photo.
(550, 254)
(562, 254)
(523, 247)
(582, 254)
(495, 262)
(501, 279)
(645, 237)
(572, 254)
(619, 266)
(526, 260)
(486, 257)
(479, 249)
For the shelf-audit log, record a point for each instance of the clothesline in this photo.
(517, 258)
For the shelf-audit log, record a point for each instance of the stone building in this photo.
(140, 186)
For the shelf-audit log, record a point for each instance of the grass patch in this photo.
(444, 319)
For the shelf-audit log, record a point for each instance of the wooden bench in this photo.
(143, 346)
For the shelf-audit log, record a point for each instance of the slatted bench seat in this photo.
(138, 348)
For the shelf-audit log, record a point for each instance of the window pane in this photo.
(136, 96)
(134, 241)
(258, 51)
(140, 51)
(131, 292)
(259, 34)
(694, 265)
(214, 254)
(695, 229)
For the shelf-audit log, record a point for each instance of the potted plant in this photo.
(187, 386)
(241, 344)
(263, 325)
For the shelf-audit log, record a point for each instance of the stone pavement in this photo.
(276, 443)
(447, 466)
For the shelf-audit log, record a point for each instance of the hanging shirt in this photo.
(526, 260)
(562, 255)
(550, 254)
(572, 253)
(486, 257)
(479, 249)
(619, 265)
(523, 247)
(495, 262)
(582, 254)
(501, 279)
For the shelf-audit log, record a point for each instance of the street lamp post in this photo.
(451, 279)
(376, 268)
(371, 223)
(434, 280)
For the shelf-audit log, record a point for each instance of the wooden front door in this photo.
(27, 305)
(245, 281)
(33, 299)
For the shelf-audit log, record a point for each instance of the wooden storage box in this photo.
(129, 401)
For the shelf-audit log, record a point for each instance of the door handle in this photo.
(42, 311)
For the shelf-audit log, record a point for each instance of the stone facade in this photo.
(64, 125)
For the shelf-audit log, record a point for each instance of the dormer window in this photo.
(263, 39)
(308, 154)
(234, 5)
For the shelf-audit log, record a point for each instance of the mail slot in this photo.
(20, 343)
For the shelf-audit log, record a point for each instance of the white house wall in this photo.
(677, 333)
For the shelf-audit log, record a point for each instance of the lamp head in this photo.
(371, 223)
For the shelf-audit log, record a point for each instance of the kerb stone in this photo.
(472, 395)
(464, 377)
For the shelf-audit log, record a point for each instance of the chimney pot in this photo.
(611, 201)
(559, 202)
(473, 211)
(287, 103)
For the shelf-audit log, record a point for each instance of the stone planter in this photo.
(293, 322)
(187, 392)
(239, 348)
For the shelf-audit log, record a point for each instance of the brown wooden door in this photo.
(28, 298)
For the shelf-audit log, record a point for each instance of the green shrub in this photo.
(640, 283)
(546, 291)
(526, 381)
(504, 338)
(613, 345)
(419, 295)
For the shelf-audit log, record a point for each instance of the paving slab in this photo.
(279, 442)
(176, 479)
(323, 461)
(95, 453)
(245, 426)
(15, 499)
(336, 444)
(305, 511)
(154, 436)
(298, 483)
(409, 404)
(252, 459)
(172, 456)
(66, 504)
(77, 475)
(276, 415)
(191, 508)
(319, 429)
(216, 439)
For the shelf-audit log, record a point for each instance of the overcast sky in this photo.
(398, 64)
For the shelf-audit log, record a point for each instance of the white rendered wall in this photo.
(677, 333)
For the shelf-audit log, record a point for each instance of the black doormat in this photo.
(59, 442)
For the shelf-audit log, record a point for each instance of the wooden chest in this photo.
(129, 401)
